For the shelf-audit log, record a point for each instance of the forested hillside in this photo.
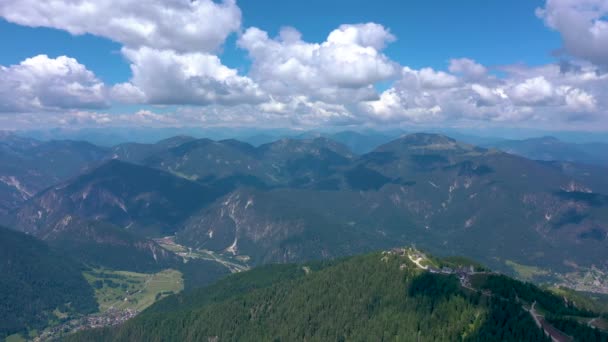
(381, 296)
(37, 284)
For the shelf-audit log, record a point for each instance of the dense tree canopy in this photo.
(35, 281)
(366, 298)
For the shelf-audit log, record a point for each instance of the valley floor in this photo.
(121, 295)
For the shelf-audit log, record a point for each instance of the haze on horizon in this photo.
(266, 170)
(313, 65)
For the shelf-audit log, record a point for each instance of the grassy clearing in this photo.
(601, 323)
(173, 248)
(15, 338)
(130, 290)
(526, 272)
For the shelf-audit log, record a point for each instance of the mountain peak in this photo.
(547, 140)
(191, 145)
(176, 140)
(239, 145)
(425, 139)
(306, 145)
(419, 141)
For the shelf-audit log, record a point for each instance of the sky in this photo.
(313, 64)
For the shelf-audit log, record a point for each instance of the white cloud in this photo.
(582, 25)
(395, 105)
(301, 110)
(367, 35)
(532, 95)
(533, 91)
(43, 83)
(127, 93)
(578, 100)
(180, 25)
(468, 68)
(172, 47)
(342, 68)
(429, 78)
(167, 77)
(149, 118)
(488, 96)
(169, 43)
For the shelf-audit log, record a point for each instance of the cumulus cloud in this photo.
(170, 44)
(582, 25)
(401, 105)
(541, 94)
(342, 68)
(90, 118)
(578, 100)
(301, 110)
(43, 83)
(367, 35)
(429, 78)
(127, 93)
(168, 77)
(180, 25)
(173, 49)
(488, 96)
(468, 68)
(533, 91)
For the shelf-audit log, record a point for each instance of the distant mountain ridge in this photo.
(123, 194)
(300, 199)
(447, 196)
(29, 166)
(552, 149)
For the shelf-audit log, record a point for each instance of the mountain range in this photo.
(293, 200)
(29, 166)
(551, 149)
(208, 208)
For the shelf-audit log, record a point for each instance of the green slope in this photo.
(37, 284)
(381, 296)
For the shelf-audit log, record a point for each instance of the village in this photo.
(110, 317)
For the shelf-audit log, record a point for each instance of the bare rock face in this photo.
(293, 200)
(431, 190)
(237, 225)
(134, 197)
(29, 166)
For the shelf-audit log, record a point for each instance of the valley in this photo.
(121, 296)
(306, 171)
(121, 290)
(233, 263)
(147, 221)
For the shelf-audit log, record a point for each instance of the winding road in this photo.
(556, 335)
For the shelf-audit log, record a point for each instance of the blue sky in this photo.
(429, 33)
(99, 54)
(435, 63)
